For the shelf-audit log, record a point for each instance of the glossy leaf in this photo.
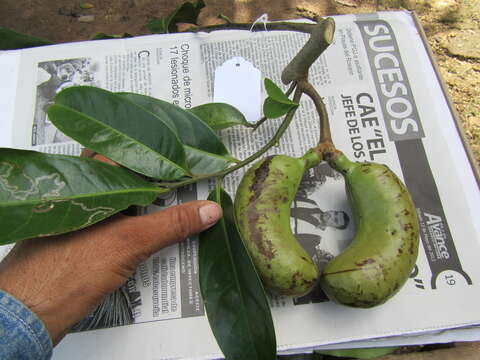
(121, 130)
(220, 115)
(274, 92)
(190, 129)
(43, 194)
(277, 103)
(201, 162)
(204, 150)
(10, 40)
(185, 13)
(273, 109)
(361, 353)
(233, 294)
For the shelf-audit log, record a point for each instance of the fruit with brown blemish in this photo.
(262, 212)
(383, 253)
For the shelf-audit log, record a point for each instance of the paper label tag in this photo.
(239, 83)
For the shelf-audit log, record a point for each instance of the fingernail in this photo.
(210, 213)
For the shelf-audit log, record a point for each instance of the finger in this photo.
(144, 235)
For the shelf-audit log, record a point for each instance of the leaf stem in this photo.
(259, 122)
(291, 88)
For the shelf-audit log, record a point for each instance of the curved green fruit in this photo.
(262, 213)
(382, 255)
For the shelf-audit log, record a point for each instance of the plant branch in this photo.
(271, 26)
(274, 140)
(290, 89)
(225, 18)
(320, 38)
(309, 89)
(259, 122)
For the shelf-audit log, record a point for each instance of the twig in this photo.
(225, 18)
(290, 89)
(320, 38)
(274, 140)
(259, 122)
(273, 26)
(325, 133)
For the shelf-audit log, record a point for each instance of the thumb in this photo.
(145, 235)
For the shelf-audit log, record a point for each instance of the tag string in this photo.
(263, 19)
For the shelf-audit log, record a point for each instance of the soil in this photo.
(451, 27)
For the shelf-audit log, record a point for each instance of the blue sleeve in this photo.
(22, 334)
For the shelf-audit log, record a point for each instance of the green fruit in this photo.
(262, 213)
(382, 255)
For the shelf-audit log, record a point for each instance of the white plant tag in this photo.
(239, 83)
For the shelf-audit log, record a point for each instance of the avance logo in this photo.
(436, 229)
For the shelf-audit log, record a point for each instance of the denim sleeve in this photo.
(22, 334)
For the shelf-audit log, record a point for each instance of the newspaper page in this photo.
(386, 105)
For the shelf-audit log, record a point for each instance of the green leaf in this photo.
(185, 13)
(10, 40)
(220, 115)
(277, 103)
(276, 93)
(190, 129)
(121, 130)
(201, 162)
(273, 109)
(160, 25)
(233, 294)
(204, 150)
(362, 353)
(42, 194)
(103, 36)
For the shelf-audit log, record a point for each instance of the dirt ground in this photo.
(451, 27)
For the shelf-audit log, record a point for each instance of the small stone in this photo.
(444, 10)
(465, 44)
(388, 4)
(473, 122)
(86, 18)
(416, 5)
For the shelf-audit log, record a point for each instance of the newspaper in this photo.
(386, 104)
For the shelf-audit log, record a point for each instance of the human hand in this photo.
(63, 278)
